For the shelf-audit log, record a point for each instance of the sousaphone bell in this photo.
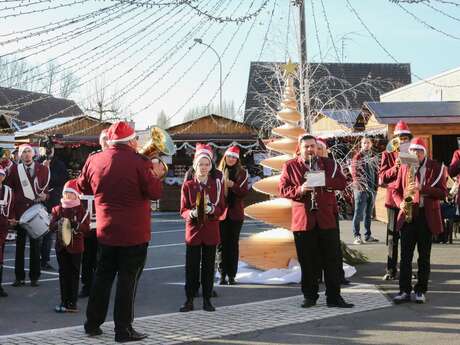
(160, 143)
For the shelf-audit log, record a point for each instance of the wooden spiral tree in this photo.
(274, 248)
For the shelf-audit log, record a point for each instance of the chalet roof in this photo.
(34, 106)
(344, 117)
(43, 126)
(222, 125)
(383, 76)
(414, 112)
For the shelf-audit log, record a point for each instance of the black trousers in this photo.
(392, 241)
(46, 243)
(228, 251)
(69, 276)
(34, 255)
(315, 248)
(195, 257)
(127, 264)
(89, 260)
(415, 234)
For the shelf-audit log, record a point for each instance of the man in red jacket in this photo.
(427, 188)
(388, 172)
(314, 221)
(29, 181)
(123, 183)
(454, 171)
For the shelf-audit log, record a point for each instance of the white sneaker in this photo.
(420, 298)
(358, 240)
(401, 298)
(371, 239)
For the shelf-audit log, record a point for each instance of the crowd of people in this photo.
(123, 182)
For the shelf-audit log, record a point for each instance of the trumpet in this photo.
(160, 143)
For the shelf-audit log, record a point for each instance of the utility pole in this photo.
(304, 82)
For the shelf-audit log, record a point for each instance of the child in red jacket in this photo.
(69, 256)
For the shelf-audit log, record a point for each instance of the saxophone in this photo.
(409, 196)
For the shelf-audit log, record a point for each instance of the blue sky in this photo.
(150, 77)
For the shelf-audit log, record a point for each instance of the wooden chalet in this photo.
(220, 133)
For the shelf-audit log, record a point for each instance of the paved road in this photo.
(161, 293)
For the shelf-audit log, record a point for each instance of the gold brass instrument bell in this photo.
(160, 143)
(393, 145)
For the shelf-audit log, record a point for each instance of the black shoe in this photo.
(93, 332)
(308, 303)
(84, 292)
(339, 303)
(223, 281)
(3, 292)
(389, 276)
(34, 283)
(47, 266)
(18, 283)
(231, 281)
(129, 336)
(187, 306)
(207, 306)
(344, 281)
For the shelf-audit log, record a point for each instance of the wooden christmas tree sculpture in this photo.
(274, 248)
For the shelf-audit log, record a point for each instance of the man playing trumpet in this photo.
(314, 224)
(418, 193)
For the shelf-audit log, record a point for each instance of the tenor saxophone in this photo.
(409, 197)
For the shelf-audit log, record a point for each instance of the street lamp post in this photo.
(200, 41)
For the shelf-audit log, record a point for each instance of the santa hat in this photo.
(233, 151)
(2, 171)
(120, 132)
(71, 187)
(23, 147)
(203, 148)
(202, 151)
(417, 144)
(321, 142)
(402, 128)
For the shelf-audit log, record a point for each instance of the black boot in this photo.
(2, 292)
(231, 281)
(187, 306)
(207, 306)
(223, 280)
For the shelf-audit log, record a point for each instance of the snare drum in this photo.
(36, 221)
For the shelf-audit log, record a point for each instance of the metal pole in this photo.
(304, 82)
(200, 41)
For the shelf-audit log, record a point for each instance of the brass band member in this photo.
(418, 191)
(314, 221)
(6, 219)
(235, 189)
(388, 173)
(29, 181)
(202, 203)
(123, 182)
(72, 212)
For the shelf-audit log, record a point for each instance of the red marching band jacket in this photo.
(433, 190)
(39, 185)
(80, 222)
(207, 233)
(291, 181)
(388, 173)
(240, 189)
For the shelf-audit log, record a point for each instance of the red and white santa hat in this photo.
(202, 151)
(120, 132)
(401, 128)
(418, 144)
(233, 151)
(71, 187)
(23, 147)
(321, 142)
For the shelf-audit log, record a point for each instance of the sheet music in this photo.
(315, 178)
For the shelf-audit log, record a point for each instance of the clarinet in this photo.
(313, 202)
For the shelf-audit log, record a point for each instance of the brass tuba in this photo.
(160, 143)
(393, 145)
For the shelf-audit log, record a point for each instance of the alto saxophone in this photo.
(409, 196)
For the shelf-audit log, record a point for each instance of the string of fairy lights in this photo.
(145, 50)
